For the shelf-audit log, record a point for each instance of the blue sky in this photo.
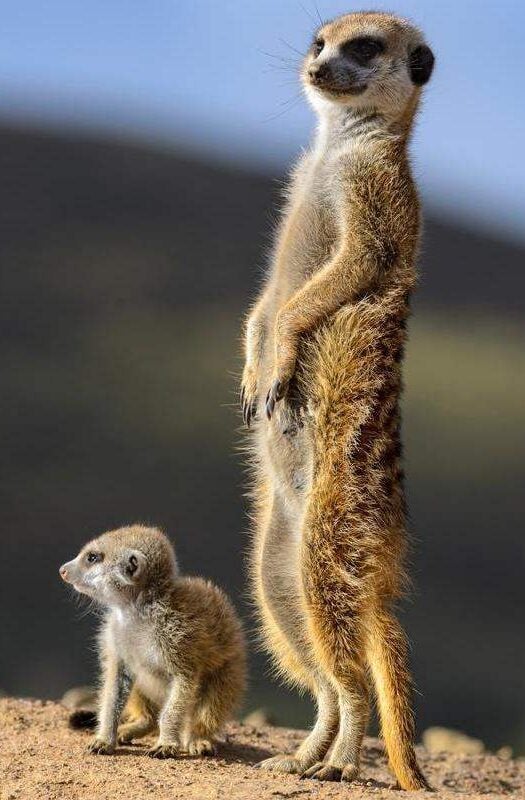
(198, 72)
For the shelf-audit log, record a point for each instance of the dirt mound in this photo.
(41, 758)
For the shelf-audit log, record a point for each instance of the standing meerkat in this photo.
(176, 641)
(321, 387)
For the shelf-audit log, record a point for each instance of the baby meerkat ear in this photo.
(421, 64)
(133, 565)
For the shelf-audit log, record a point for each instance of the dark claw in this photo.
(270, 404)
(249, 409)
(275, 393)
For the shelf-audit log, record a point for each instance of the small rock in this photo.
(446, 740)
(80, 697)
(259, 718)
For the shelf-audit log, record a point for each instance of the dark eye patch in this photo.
(317, 46)
(93, 558)
(363, 48)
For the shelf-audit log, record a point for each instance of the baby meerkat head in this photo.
(120, 565)
(366, 60)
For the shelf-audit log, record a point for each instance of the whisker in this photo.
(308, 14)
(321, 20)
(284, 59)
(291, 47)
(289, 104)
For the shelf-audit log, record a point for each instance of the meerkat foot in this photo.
(350, 772)
(130, 731)
(201, 747)
(165, 751)
(124, 738)
(283, 763)
(101, 748)
(330, 772)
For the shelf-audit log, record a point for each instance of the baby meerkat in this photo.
(176, 641)
(320, 389)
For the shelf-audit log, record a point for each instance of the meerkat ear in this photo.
(421, 64)
(133, 565)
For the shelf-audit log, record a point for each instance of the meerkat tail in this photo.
(83, 719)
(387, 657)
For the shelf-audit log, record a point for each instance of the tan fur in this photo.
(321, 385)
(171, 644)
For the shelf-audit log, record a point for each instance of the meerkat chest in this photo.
(137, 646)
(310, 231)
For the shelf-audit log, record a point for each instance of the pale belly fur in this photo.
(137, 648)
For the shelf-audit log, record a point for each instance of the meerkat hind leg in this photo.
(342, 762)
(289, 640)
(317, 743)
(199, 739)
(135, 730)
(138, 719)
(217, 697)
(173, 719)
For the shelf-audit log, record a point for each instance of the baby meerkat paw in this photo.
(101, 748)
(124, 738)
(201, 747)
(165, 751)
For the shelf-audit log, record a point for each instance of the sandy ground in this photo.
(41, 758)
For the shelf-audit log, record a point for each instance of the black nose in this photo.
(320, 73)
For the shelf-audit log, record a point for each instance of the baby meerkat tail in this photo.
(387, 657)
(83, 719)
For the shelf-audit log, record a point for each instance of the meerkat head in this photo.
(366, 60)
(118, 566)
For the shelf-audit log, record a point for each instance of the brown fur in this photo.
(327, 335)
(171, 644)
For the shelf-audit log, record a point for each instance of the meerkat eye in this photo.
(363, 48)
(318, 47)
(93, 558)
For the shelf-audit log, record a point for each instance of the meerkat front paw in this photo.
(276, 392)
(172, 750)
(248, 395)
(101, 748)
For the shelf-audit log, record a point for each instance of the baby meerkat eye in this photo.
(93, 558)
(363, 48)
(318, 47)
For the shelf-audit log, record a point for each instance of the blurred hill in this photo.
(125, 274)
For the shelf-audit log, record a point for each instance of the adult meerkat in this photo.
(326, 339)
(175, 640)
